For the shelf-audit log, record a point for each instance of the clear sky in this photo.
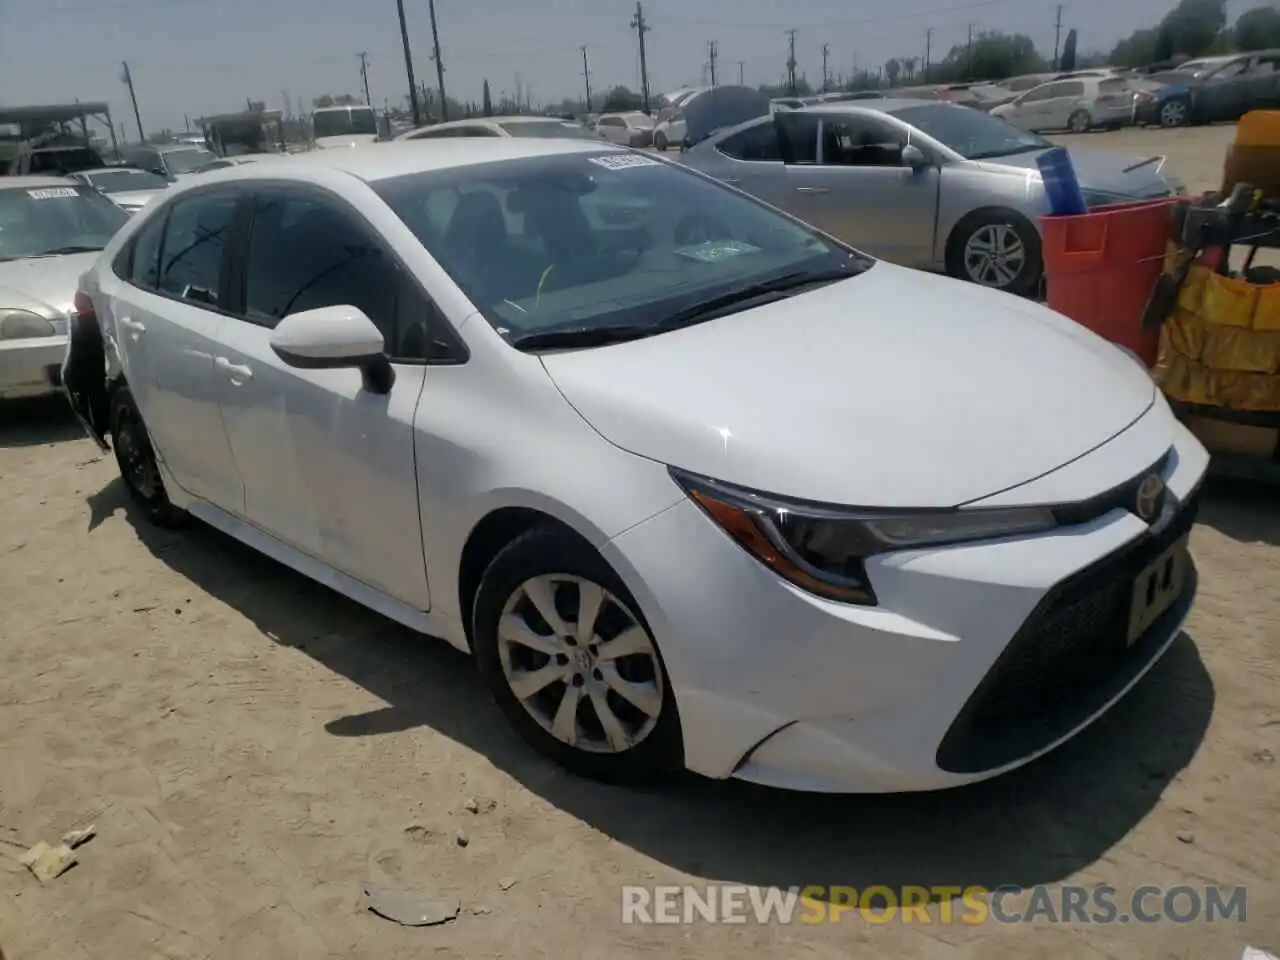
(207, 56)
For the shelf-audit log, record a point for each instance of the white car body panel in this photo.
(915, 391)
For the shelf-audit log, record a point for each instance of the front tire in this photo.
(137, 462)
(660, 142)
(571, 663)
(998, 249)
(1079, 122)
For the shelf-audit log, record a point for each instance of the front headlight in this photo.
(824, 549)
(22, 324)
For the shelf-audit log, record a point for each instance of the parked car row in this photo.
(938, 479)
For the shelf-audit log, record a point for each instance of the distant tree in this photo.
(487, 100)
(1257, 29)
(908, 65)
(1194, 27)
(993, 56)
(892, 70)
(621, 99)
(1068, 59)
(1164, 43)
(1136, 50)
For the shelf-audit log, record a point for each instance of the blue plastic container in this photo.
(1065, 196)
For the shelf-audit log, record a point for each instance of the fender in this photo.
(84, 374)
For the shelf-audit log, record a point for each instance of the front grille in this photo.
(1122, 497)
(1068, 659)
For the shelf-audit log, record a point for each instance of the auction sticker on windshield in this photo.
(622, 161)
(53, 193)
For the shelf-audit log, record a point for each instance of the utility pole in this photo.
(968, 72)
(826, 77)
(741, 65)
(928, 51)
(791, 62)
(711, 60)
(187, 122)
(586, 77)
(127, 77)
(364, 76)
(435, 43)
(641, 28)
(1057, 35)
(414, 107)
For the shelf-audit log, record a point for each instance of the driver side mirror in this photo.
(913, 157)
(330, 338)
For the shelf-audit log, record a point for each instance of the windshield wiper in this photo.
(581, 336)
(59, 251)
(739, 299)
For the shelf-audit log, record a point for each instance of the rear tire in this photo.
(987, 244)
(660, 142)
(569, 706)
(1174, 113)
(137, 462)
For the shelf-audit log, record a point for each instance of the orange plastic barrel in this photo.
(1100, 268)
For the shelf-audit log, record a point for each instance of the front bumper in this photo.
(980, 657)
(31, 367)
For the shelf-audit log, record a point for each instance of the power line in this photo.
(127, 77)
(711, 59)
(641, 28)
(1057, 33)
(586, 77)
(791, 61)
(414, 107)
(435, 43)
(364, 76)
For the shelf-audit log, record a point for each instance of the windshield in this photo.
(973, 135)
(554, 129)
(185, 161)
(338, 123)
(37, 221)
(582, 241)
(118, 181)
(63, 160)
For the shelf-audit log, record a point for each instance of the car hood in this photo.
(1104, 177)
(892, 389)
(132, 199)
(345, 140)
(45, 285)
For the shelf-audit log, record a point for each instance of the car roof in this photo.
(872, 105)
(32, 182)
(92, 170)
(384, 161)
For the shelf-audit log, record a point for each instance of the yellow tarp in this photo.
(1222, 345)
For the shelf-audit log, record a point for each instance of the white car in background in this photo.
(126, 187)
(625, 464)
(344, 126)
(671, 128)
(51, 230)
(1077, 103)
(632, 129)
(519, 125)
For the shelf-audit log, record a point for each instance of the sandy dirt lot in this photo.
(253, 748)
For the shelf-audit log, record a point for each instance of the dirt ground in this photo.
(253, 748)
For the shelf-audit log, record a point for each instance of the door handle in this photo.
(813, 189)
(238, 373)
(132, 326)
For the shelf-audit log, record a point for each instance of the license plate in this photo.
(1156, 587)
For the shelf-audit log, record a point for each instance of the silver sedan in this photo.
(931, 185)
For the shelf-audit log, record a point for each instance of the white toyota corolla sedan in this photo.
(698, 486)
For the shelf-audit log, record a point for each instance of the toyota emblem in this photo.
(1147, 503)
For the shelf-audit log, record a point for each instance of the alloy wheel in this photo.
(1173, 114)
(994, 255)
(580, 663)
(1079, 122)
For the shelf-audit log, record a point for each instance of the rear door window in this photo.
(756, 143)
(195, 243)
